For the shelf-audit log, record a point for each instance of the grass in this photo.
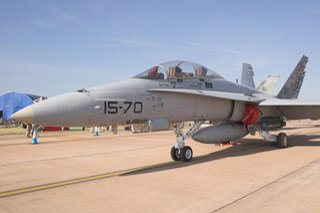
(12, 131)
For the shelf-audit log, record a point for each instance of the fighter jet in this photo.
(178, 91)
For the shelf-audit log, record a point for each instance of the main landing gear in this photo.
(179, 151)
(281, 140)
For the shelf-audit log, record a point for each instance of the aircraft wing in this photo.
(294, 109)
(213, 94)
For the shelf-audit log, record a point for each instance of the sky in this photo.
(52, 47)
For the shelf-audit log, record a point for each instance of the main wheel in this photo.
(175, 155)
(282, 140)
(186, 154)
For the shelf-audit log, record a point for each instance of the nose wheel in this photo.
(175, 154)
(184, 154)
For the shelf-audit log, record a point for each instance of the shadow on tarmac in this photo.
(246, 147)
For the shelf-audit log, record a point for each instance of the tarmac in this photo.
(79, 172)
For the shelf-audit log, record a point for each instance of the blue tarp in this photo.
(13, 102)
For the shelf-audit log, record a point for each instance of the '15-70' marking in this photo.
(113, 107)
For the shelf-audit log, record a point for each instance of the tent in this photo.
(13, 101)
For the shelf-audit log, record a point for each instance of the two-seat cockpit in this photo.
(178, 70)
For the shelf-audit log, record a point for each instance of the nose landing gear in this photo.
(179, 151)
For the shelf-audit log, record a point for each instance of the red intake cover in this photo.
(251, 114)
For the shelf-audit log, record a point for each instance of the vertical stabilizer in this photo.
(268, 85)
(247, 75)
(292, 86)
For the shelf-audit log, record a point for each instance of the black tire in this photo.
(175, 154)
(186, 154)
(282, 140)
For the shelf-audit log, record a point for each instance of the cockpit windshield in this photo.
(178, 70)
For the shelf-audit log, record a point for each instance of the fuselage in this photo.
(129, 101)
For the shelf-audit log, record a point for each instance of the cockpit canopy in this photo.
(178, 70)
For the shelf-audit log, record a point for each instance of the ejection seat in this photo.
(175, 72)
(153, 74)
(201, 72)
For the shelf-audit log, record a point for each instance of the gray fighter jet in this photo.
(173, 92)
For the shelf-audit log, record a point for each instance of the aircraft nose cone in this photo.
(24, 115)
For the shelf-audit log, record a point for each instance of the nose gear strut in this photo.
(179, 151)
